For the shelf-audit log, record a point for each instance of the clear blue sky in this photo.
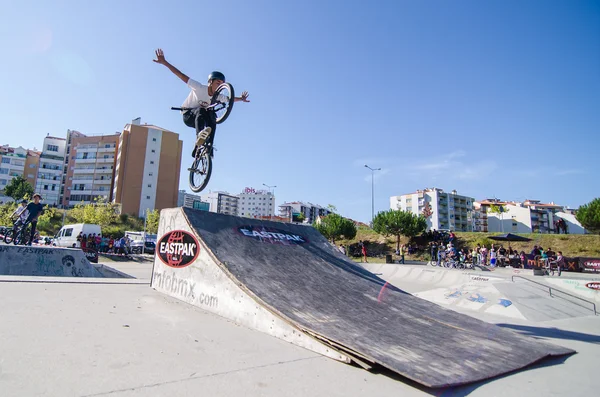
(492, 98)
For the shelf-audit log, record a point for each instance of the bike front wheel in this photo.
(224, 97)
(8, 236)
(200, 170)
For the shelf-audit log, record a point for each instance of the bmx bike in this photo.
(18, 235)
(218, 111)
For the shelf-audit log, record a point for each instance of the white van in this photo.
(67, 235)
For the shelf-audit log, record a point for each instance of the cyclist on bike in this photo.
(35, 209)
(19, 216)
(199, 99)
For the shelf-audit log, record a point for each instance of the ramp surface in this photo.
(294, 274)
(45, 261)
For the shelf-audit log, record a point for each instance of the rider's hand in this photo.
(244, 96)
(160, 57)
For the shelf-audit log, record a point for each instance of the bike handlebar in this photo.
(208, 107)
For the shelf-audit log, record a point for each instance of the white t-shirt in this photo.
(198, 96)
(22, 213)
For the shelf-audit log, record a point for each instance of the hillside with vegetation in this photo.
(569, 244)
(104, 214)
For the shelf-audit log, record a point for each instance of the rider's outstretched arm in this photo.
(160, 58)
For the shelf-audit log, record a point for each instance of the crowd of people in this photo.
(496, 255)
(108, 245)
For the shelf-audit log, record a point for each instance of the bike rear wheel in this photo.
(200, 170)
(22, 236)
(224, 97)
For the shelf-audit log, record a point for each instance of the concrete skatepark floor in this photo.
(129, 340)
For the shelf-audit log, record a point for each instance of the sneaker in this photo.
(203, 136)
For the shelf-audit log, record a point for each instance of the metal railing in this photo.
(556, 289)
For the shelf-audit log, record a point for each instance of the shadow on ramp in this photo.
(554, 333)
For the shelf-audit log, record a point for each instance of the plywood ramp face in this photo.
(206, 284)
(288, 281)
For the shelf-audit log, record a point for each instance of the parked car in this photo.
(149, 247)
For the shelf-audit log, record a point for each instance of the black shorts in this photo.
(200, 115)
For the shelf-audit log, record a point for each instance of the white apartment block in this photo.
(12, 164)
(50, 171)
(310, 211)
(221, 202)
(449, 211)
(530, 216)
(254, 203)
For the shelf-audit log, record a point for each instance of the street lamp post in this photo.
(273, 193)
(372, 192)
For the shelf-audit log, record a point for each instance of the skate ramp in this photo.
(476, 291)
(288, 281)
(45, 261)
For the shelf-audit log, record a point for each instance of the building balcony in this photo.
(83, 171)
(79, 179)
(108, 160)
(106, 149)
(85, 161)
(103, 171)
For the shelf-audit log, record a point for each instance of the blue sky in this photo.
(492, 98)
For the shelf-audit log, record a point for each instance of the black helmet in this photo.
(24, 201)
(216, 76)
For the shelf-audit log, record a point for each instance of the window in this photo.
(151, 162)
(29, 175)
(31, 165)
(153, 139)
(3, 170)
(5, 160)
(149, 174)
(52, 148)
(68, 232)
(148, 197)
(45, 187)
(153, 151)
(149, 185)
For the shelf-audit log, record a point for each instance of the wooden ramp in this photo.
(288, 281)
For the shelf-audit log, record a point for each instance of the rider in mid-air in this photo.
(199, 99)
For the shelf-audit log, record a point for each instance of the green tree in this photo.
(399, 223)
(589, 216)
(18, 188)
(5, 211)
(152, 218)
(99, 213)
(45, 218)
(334, 226)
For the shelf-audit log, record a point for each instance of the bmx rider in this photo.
(199, 99)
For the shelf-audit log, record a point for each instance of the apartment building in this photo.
(90, 162)
(194, 201)
(443, 211)
(221, 202)
(50, 170)
(147, 168)
(17, 162)
(310, 211)
(530, 216)
(255, 203)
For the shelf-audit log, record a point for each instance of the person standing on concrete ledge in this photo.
(35, 209)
